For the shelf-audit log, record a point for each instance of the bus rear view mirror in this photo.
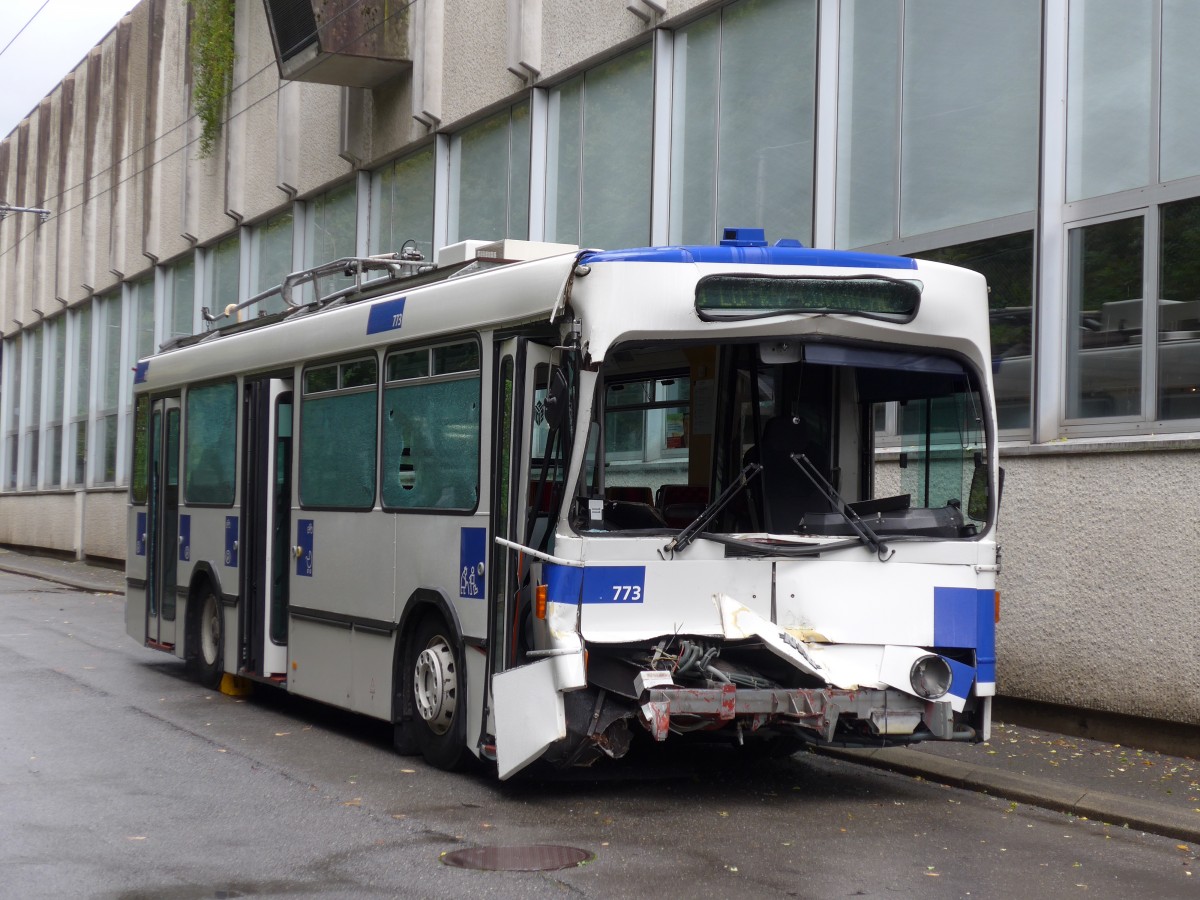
(977, 500)
(557, 397)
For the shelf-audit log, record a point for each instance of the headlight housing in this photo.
(931, 677)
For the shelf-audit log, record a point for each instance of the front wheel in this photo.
(206, 656)
(436, 685)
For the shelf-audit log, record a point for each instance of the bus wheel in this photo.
(205, 660)
(438, 697)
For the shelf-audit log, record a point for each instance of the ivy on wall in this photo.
(212, 66)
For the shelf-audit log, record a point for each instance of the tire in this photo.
(205, 661)
(436, 685)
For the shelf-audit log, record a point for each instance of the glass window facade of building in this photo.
(331, 233)
(224, 269)
(938, 136)
(938, 115)
(143, 303)
(931, 137)
(270, 260)
(1007, 262)
(402, 204)
(182, 305)
(489, 178)
(56, 347)
(599, 154)
(1108, 122)
(743, 121)
(108, 394)
(35, 343)
(81, 352)
(1132, 217)
(12, 403)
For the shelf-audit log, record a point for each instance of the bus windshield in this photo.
(890, 435)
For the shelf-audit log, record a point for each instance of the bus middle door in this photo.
(162, 530)
(266, 524)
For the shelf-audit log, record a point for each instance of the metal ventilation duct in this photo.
(343, 42)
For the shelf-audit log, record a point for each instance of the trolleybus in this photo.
(531, 501)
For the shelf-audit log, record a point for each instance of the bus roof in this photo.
(503, 294)
(782, 254)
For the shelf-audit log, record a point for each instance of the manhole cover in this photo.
(534, 858)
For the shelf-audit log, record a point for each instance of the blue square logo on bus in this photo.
(185, 538)
(472, 549)
(231, 541)
(304, 541)
(386, 316)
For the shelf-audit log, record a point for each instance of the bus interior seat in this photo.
(681, 503)
(783, 492)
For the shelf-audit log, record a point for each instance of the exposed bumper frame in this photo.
(889, 711)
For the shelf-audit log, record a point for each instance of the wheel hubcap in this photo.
(435, 685)
(210, 630)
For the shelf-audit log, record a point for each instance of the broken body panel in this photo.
(779, 616)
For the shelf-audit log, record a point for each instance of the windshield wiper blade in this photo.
(865, 534)
(688, 534)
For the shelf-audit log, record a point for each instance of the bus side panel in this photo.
(346, 565)
(371, 657)
(343, 574)
(320, 655)
(205, 540)
(444, 553)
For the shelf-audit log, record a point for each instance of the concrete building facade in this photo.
(1052, 145)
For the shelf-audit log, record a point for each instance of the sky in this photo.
(55, 42)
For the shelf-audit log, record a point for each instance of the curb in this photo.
(1099, 806)
(80, 584)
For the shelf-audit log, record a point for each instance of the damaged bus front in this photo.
(761, 505)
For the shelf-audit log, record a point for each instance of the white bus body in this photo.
(472, 502)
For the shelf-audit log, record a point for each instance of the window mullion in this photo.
(1152, 290)
(660, 145)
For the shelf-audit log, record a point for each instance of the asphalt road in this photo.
(121, 779)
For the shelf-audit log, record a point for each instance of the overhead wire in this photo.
(13, 39)
(160, 137)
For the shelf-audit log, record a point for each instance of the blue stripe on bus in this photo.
(963, 676)
(766, 256)
(386, 316)
(965, 617)
(595, 584)
(140, 373)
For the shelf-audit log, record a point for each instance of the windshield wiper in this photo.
(688, 534)
(865, 534)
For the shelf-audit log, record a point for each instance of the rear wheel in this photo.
(205, 659)
(436, 685)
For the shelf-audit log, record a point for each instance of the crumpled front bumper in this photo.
(886, 712)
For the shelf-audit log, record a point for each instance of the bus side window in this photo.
(337, 436)
(210, 443)
(431, 416)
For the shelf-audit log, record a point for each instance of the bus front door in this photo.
(523, 505)
(162, 527)
(266, 524)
